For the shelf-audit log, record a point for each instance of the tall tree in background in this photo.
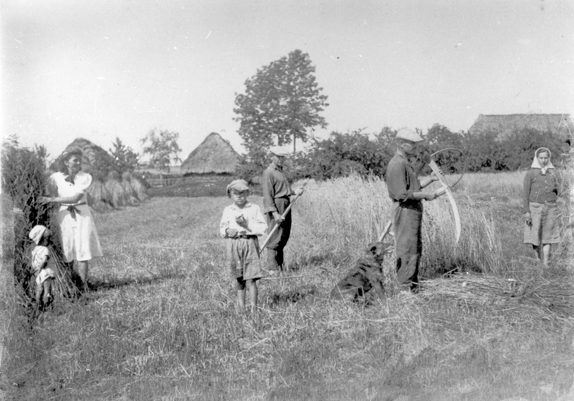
(162, 147)
(125, 159)
(284, 100)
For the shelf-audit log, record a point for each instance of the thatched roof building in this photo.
(505, 124)
(213, 155)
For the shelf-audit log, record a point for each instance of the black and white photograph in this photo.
(287, 200)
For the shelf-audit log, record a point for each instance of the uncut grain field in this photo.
(161, 322)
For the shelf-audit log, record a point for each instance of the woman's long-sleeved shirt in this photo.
(539, 188)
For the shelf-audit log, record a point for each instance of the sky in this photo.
(110, 69)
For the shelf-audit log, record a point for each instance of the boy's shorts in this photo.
(44, 275)
(243, 257)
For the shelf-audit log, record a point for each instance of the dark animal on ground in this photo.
(366, 275)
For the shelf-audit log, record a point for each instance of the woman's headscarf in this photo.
(536, 163)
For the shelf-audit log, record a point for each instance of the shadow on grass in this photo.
(290, 297)
(448, 267)
(102, 284)
(309, 260)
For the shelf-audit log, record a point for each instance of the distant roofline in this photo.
(524, 114)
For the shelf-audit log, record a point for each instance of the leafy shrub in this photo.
(343, 154)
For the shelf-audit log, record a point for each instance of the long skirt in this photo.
(243, 257)
(78, 233)
(545, 228)
(407, 223)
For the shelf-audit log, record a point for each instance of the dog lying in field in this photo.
(366, 275)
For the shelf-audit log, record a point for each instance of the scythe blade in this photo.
(451, 200)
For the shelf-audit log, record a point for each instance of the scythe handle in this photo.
(262, 246)
(385, 231)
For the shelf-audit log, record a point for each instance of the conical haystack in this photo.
(95, 161)
(140, 187)
(117, 191)
(214, 155)
(132, 197)
(99, 197)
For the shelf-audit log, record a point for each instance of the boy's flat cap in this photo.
(280, 150)
(409, 135)
(237, 185)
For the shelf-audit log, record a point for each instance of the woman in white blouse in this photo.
(78, 233)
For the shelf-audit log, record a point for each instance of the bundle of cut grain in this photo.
(24, 179)
(118, 193)
(132, 196)
(140, 186)
(99, 197)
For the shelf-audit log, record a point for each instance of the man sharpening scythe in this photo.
(407, 211)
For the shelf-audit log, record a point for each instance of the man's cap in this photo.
(280, 150)
(237, 185)
(36, 233)
(409, 135)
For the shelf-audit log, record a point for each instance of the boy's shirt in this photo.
(251, 213)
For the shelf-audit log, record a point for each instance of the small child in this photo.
(242, 223)
(44, 275)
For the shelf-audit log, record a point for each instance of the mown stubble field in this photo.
(161, 323)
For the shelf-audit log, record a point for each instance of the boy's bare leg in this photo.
(38, 297)
(546, 254)
(48, 292)
(240, 293)
(241, 299)
(83, 272)
(538, 251)
(252, 286)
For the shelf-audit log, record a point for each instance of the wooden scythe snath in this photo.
(262, 246)
(385, 231)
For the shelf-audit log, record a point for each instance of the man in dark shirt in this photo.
(276, 199)
(407, 211)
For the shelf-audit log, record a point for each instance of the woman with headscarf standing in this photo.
(539, 205)
(78, 233)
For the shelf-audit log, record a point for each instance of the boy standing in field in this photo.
(44, 275)
(242, 223)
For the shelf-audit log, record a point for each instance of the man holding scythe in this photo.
(407, 211)
(276, 201)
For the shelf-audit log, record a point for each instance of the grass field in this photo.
(161, 323)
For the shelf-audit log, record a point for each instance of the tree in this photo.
(125, 159)
(284, 100)
(162, 147)
(440, 137)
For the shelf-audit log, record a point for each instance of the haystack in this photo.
(95, 161)
(132, 198)
(213, 155)
(99, 197)
(139, 190)
(505, 124)
(117, 191)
